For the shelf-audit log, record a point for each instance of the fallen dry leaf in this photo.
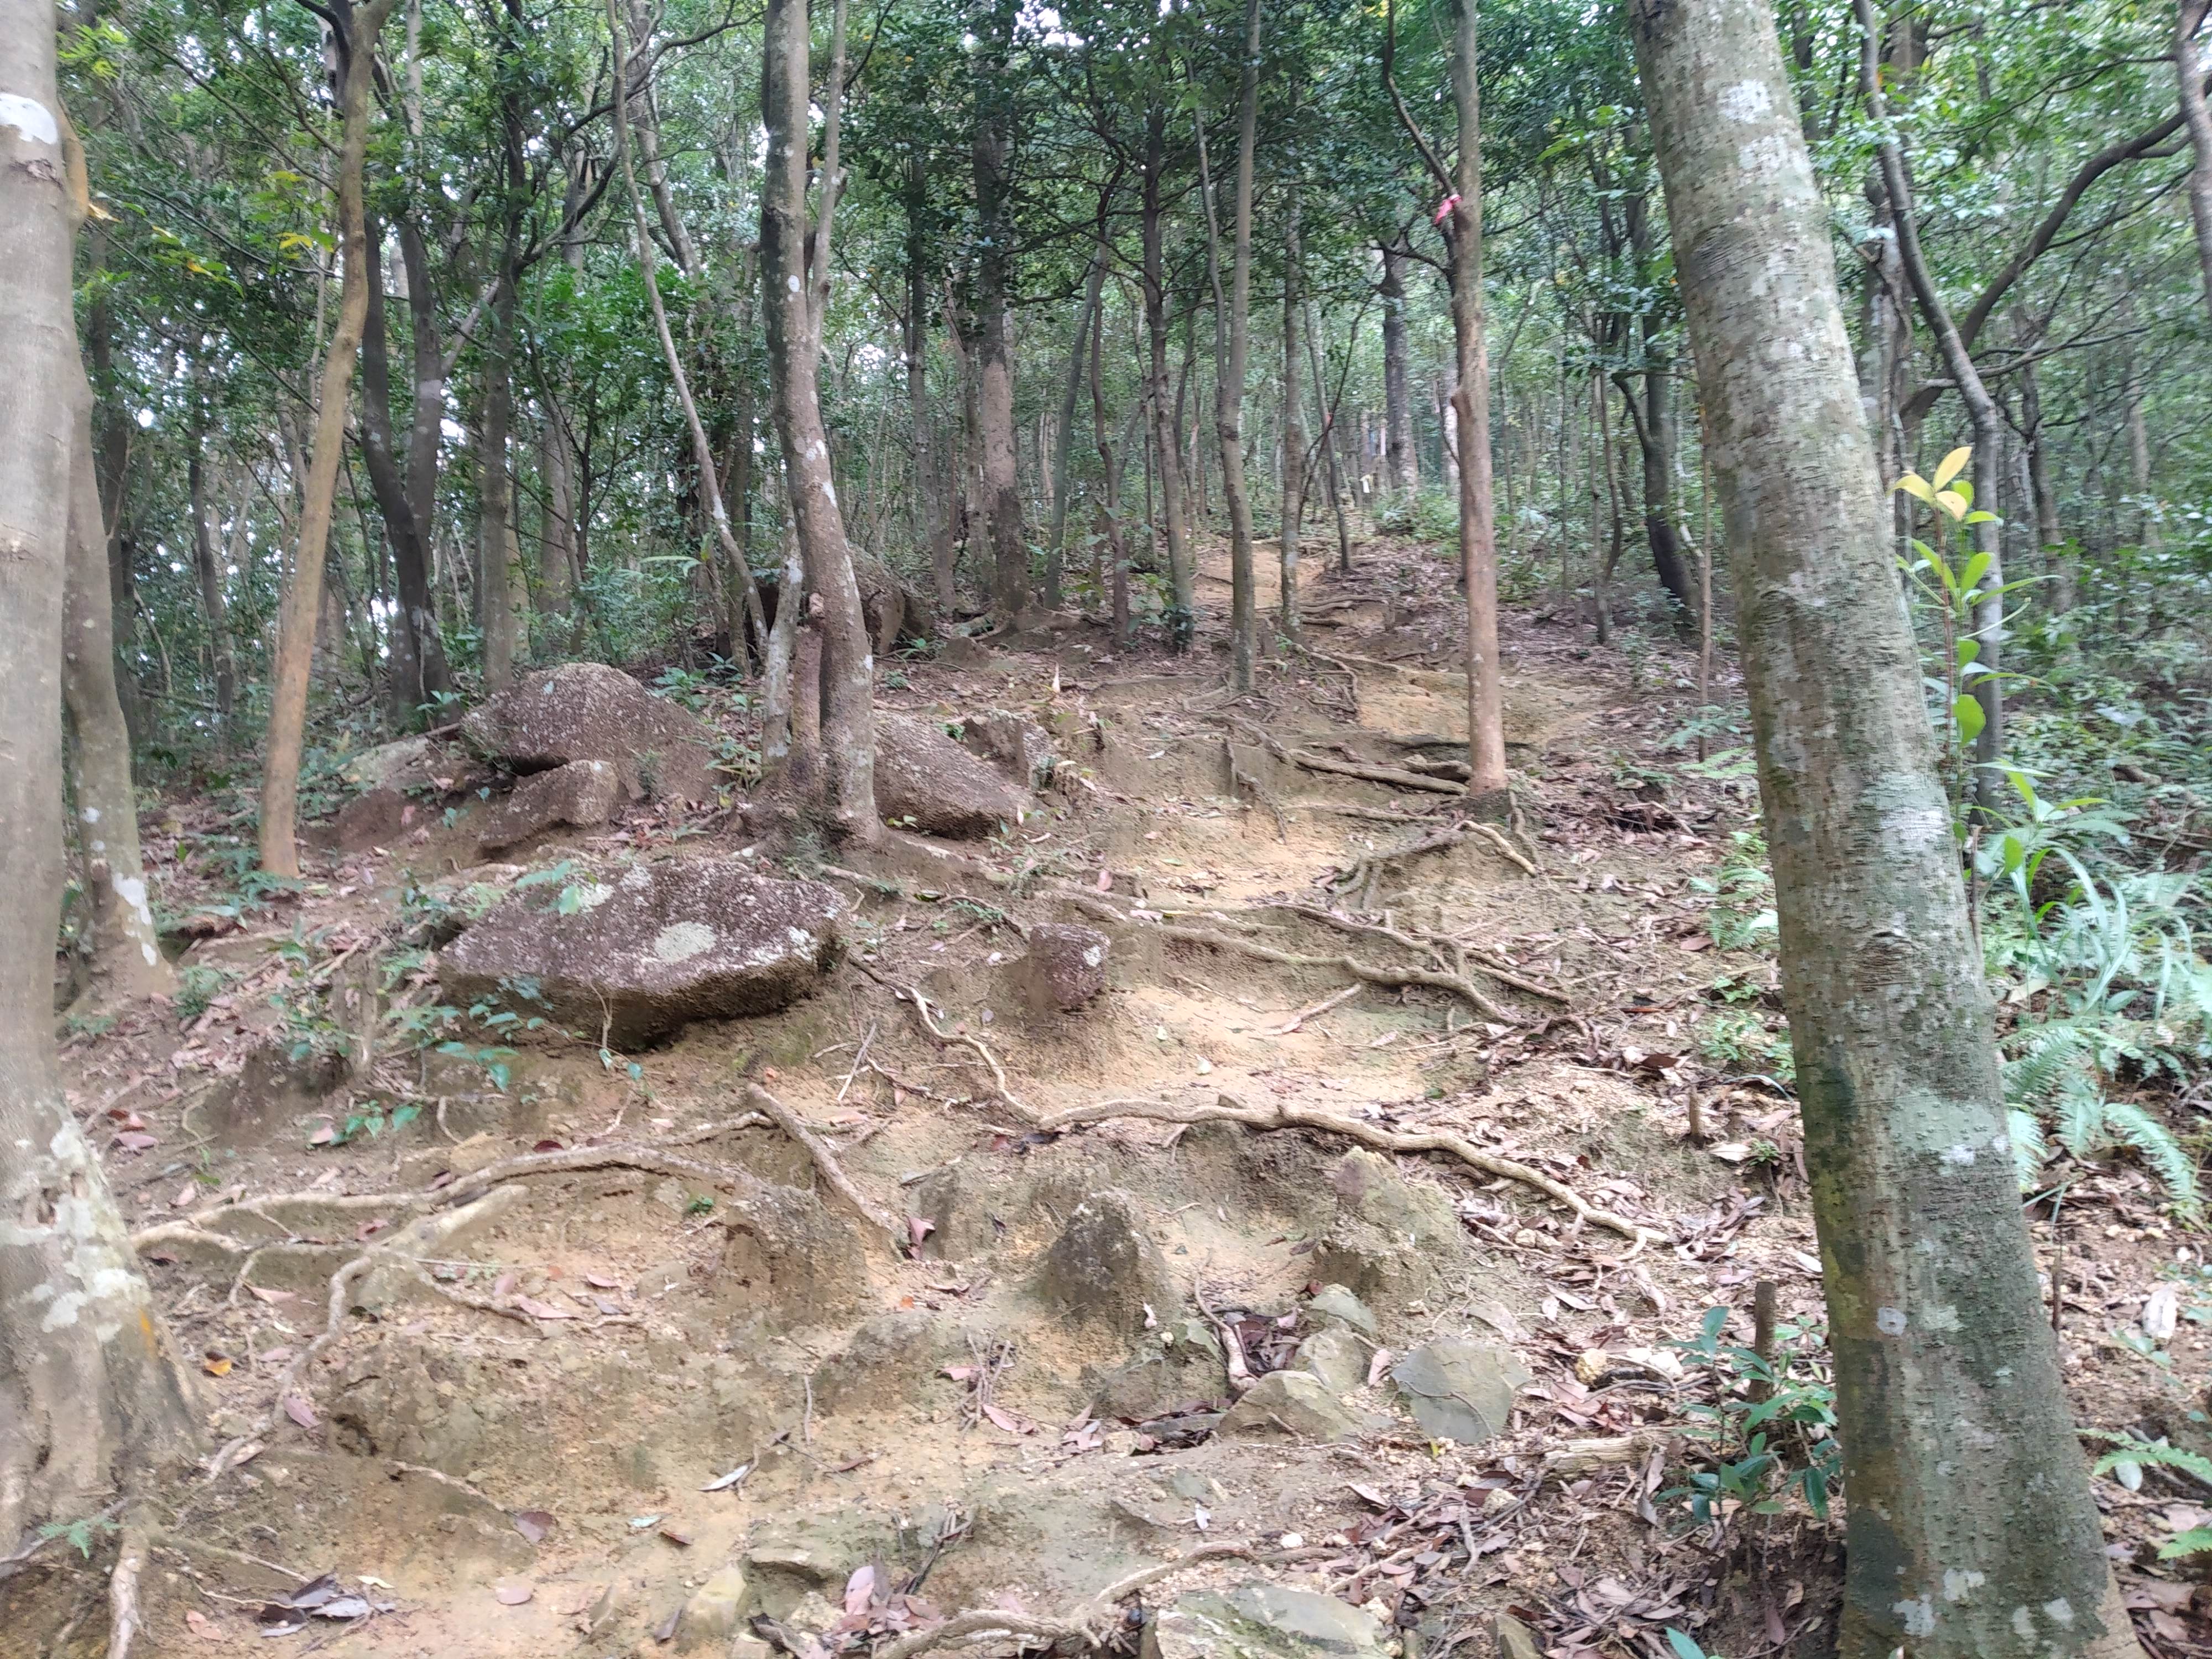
(215, 1364)
(537, 1309)
(301, 1410)
(512, 1596)
(533, 1524)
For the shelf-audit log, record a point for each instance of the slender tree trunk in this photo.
(994, 269)
(556, 544)
(1056, 543)
(1402, 460)
(1183, 569)
(92, 1396)
(1109, 469)
(935, 512)
(213, 603)
(127, 963)
(1326, 405)
(411, 557)
(1294, 424)
(1990, 788)
(1971, 1532)
(2049, 533)
(1228, 394)
(794, 290)
(2189, 71)
(393, 504)
(302, 597)
(505, 633)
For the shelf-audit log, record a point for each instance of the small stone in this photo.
(1295, 1403)
(1065, 966)
(580, 795)
(1264, 1622)
(1333, 1304)
(1336, 1356)
(1515, 1639)
(1460, 1390)
(711, 1616)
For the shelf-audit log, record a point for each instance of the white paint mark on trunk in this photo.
(30, 117)
(1747, 101)
(1890, 1321)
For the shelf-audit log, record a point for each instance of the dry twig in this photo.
(826, 1161)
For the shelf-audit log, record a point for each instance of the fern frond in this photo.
(2151, 1141)
(2080, 1106)
(2050, 1055)
(2194, 1541)
(2142, 1452)
(2031, 1149)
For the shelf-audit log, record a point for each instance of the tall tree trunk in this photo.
(934, 513)
(1402, 461)
(1183, 570)
(1109, 469)
(993, 151)
(393, 503)
(92, 1396)
(557, 571)
(500, 591)
(411, 559)
(1056, 543)
(215, 610)
(127, 963)
(113, 429)
(1228, 389)
(1971, 1532)
(1331, 439)
(794, 292)
(2189, 71)
(1294, 423)
(302, 598)
(2049, 533)
(1990, 789)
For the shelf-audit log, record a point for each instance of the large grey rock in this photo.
(580, 795)
(1391, 1238)
(644, 951)
(1104, 1270)
(406, 764)
(1264, 1622)
(926, 782)
(587, 711)
(1297, 1404)
(1065, 966)
(1460, 1390)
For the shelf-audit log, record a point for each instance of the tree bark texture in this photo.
(1056, 550)
(1478, 540)
(215, 606)
(301, 602)
(1229, 391)
(1971, 1532)
(794, 318)
(127, 963)
(2189, 70)
(90, 1392)
(993, 149)
(1402, 460)
(1182, 568)
(1294, 424)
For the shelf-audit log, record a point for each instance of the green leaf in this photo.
(1685, 1647)
(1968, 650)
(1974, 570)
(2194, 1541)
(1968, 713)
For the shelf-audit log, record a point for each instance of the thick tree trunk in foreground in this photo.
(302, 598)
(90, 1393)
(126, 950)
(1971, 1529)
(2189, 68)
(1478, 538)
(794, 349)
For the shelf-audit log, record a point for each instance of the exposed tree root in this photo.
(1462, 953)
(825, 1162)
(1089, 1620)
(910, 995)
(1387, 774)
(123, 1617)
(1281, 1116)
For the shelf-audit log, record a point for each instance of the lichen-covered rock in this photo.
(587, 711)
(1014, 741)
(405, 763)
(1104, 1270)
(580, 795)
(1065, 966)
(641, 952)
(926, 782)
(1459, 1390)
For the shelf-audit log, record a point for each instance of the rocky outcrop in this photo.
(1296, 1405)
(580, 795)
(926, 782)
(1013, 742)
(582, 711)
(1104, 1270)
(787, 1259)
(638, 953)
(1264, 1622)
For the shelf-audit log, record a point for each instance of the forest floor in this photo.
(525, 1450)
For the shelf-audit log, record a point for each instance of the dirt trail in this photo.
(1018, 1418)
